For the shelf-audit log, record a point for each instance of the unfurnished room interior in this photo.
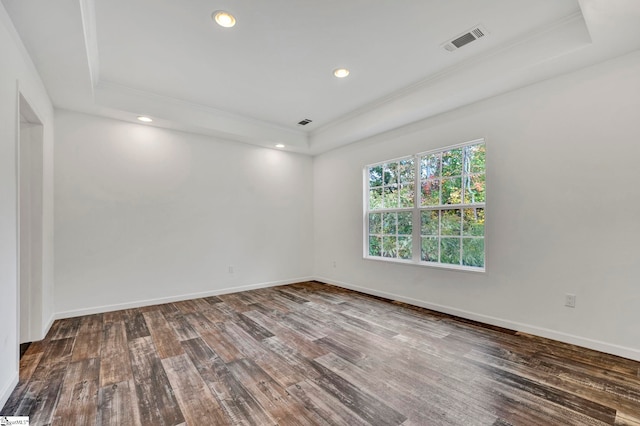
(355, 212)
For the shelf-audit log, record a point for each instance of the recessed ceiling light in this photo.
(224, 18)
(341, 72)
(145, 119)
(279, 145)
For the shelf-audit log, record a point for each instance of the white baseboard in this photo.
(47, 327)
(622, 351)
(177, 298)
(5, 393)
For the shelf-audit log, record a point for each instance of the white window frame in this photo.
(416, 213)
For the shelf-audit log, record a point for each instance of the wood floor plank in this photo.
(136, 326)
(28, 364)
(192, 306)
(164, 337)
(328, 409)
(305, 346)
(36, 347)
(115, 364)
(252, 328)
(272, 396)
(197, 403)
(233, 301)
(156, 400)
(212, 300)
(215, 338)
(366, 406)
(118, 405)
(44, 396)
(291, 296)
(274, 365)
(78, 402)
(182, 328)
(91, 323)
(114, 316)
(87, 345)
(238, 403)
(66, 328)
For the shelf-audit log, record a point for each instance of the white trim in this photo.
(178, 298)
(449, 148)
(392, 160)
(7, 391)
(47, 327)
(585, 342)
(424, 264)
(17, 284)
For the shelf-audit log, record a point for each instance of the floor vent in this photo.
(304, 122)
(467, 37)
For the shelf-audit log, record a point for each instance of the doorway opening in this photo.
(30, 223)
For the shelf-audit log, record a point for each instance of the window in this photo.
(428, 208)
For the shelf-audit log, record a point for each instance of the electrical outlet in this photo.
(570, 300)
(231, 269)
(334, 263)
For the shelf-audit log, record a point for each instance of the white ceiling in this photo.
(254, 82)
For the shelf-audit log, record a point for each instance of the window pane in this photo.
(429, 249)
(389, 223)
(375, 176)
(430, 222)
(473, 222)
(452, 191)
(430, 167)
(404, 223)
(450, 251)
(375, 246)
(474, 189)
(375, 223)
(450, 222)
(407, 195)
(473, 252)
(404, 247)
(452, 162)
(390, 197)
(407, 171)
(389, 248)
(375, 199)
(450, 205)
(430, 193)
(474, 159)
(390, 173)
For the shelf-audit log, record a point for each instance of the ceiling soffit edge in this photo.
(539, 33)
(89, 31)
(197, 117)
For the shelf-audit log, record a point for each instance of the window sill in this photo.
(461, 268)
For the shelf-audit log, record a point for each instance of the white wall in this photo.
(17, 70)
(562, 210)
(143, 213)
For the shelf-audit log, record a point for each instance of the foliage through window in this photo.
(428, 208)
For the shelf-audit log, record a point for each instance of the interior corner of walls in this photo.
(7, 389)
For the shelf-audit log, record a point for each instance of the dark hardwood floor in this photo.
(312, 354)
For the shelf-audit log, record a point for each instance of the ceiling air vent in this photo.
(467, 37)
(304, 122)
